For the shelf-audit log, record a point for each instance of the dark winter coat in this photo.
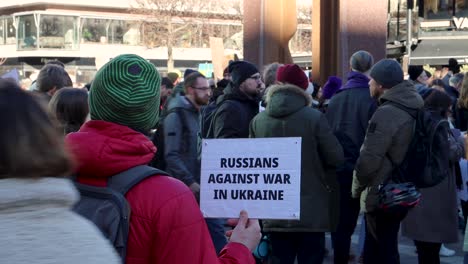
(435, 219)
(452, 92)
(166, 224)
(460, 116)
(288, 115)
(348, 114)
(180, 140)
(389, 133)
(232, 119)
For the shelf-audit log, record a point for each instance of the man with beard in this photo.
(387, 139)
(181, 126)
(234, 110)
(239, 104)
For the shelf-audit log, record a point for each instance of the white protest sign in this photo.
(261, 176)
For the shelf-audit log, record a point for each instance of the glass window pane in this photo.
(11, 31)
(95, 30)
(125, 32)
(444, 9)
(2, 31)
(462, 10)
(154, 34)
(58, 32)
(27, 33)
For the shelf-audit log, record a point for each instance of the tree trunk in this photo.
(170, 59)
(170, 44)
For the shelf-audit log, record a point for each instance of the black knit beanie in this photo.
(241, 71)
(414, 71)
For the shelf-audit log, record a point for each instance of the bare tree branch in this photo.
(181, 28)
(175, 23)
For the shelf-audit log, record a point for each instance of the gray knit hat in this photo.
(387, 72)
(361, 61)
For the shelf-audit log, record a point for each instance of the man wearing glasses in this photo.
(180, 129)
(239, 104)
(181, 126)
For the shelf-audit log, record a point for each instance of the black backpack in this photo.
(207, 114)
(107, 207)
(426, 162)
(158, 138)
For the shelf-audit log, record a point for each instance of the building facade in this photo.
(85, 34)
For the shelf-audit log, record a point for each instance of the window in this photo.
(2, 31)
(154, 34)
(27, 32)
(95, 30)
(124, 32)
(234, 37)
(461, 9)
(443, 9)
(58, 32)
(10, 31)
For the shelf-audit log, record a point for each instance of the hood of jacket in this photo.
(102, 149)
(181, 101)
(283, 100)
(356, 80)
(405, 94)
(33, 194)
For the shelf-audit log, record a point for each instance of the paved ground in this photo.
(407, 250)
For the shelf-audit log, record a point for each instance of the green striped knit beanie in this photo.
(126, 91)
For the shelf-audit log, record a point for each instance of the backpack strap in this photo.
(414, 114)
(125, 180)
(183, 119)
(179, 112)
(411, 111)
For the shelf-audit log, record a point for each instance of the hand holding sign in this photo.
(247, 231)
(261, 175)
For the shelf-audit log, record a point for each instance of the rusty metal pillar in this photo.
(362, 28)
(268, 27)
(342, 27)
(325, 32)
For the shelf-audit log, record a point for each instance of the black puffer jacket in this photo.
(232, 119)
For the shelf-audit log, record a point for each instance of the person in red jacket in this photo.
(166, 224)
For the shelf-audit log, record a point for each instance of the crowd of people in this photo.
(354, 134)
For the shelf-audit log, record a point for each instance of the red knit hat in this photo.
(292, 74)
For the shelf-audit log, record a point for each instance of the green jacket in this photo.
(389, 134)
(288, 114)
